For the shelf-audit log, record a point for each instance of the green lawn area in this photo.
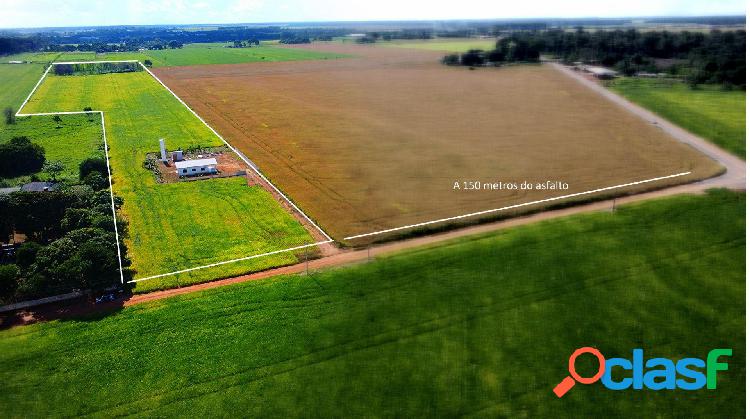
(481, 326)
(457, 45)
(73, 140)
(179, 225)
(16, 81)
(190, 54)
(708, 111)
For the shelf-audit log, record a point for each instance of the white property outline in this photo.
(106, 158)
(289, 201)
(109, 172)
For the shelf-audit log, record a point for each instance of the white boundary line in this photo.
(291, 249)
(474, 214)
(95, 62)
(106, 158)
(112, 199)
(252, 166)
(18, 113)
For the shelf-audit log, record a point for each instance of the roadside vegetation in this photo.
(180, 225)
(482, 325)
(710, 111)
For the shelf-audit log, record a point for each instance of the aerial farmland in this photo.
(539, 217)
(383, 139)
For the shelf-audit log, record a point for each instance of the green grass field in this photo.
(16, 81)
(710, 112)
(190, 54)
(179, 225)
(73, 140)
(481, 326)
(457, 45)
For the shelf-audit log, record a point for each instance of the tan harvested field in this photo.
(377, 141)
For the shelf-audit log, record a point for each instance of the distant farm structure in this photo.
(601, 73)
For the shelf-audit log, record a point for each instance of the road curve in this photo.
(734, 178)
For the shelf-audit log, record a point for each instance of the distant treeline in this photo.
(95, 68)
(714, 57)
(515, 48)
(122, 38)
(15, 45)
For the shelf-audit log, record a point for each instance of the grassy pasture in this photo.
(481, 326)
(708, 111)
(457, 45)
(73, 140)
(16, 81)
(379, 141)
(190, 54)
(180, 225)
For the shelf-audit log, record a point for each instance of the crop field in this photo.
(190, 54)
(708, 111)
(16, 81)
(456, 45)
(69, 142)
(452, 330)
(380, 141)
(179, 225)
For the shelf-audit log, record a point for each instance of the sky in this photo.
(56, 13)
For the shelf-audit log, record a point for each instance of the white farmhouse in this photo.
(196, 167)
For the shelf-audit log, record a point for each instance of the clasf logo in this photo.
(654, 374)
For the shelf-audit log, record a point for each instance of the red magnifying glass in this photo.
(568, 382)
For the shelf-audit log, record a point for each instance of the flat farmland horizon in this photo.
(391, 137)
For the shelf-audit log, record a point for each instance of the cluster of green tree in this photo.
(714, 57)
(245, 44)
(16, 44)
(295, 40)
(19, 157)
(514, 48)
(371, 37)
(70, 240)
(70, 243)
(95, 68)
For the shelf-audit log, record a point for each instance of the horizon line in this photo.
(355, 21)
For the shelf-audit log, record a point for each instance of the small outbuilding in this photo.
(196, 167)
(601, 72)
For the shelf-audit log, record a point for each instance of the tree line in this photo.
(70, 240)
(714, 57)
(510, 49)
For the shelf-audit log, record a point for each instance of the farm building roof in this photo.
(186, 164)
(39, 187)
(601, 71)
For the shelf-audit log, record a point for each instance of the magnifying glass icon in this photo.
(568, 382)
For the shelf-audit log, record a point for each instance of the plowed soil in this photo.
(379, 140)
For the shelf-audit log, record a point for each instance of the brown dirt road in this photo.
(733, 178)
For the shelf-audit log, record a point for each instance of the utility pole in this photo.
(307, 263)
